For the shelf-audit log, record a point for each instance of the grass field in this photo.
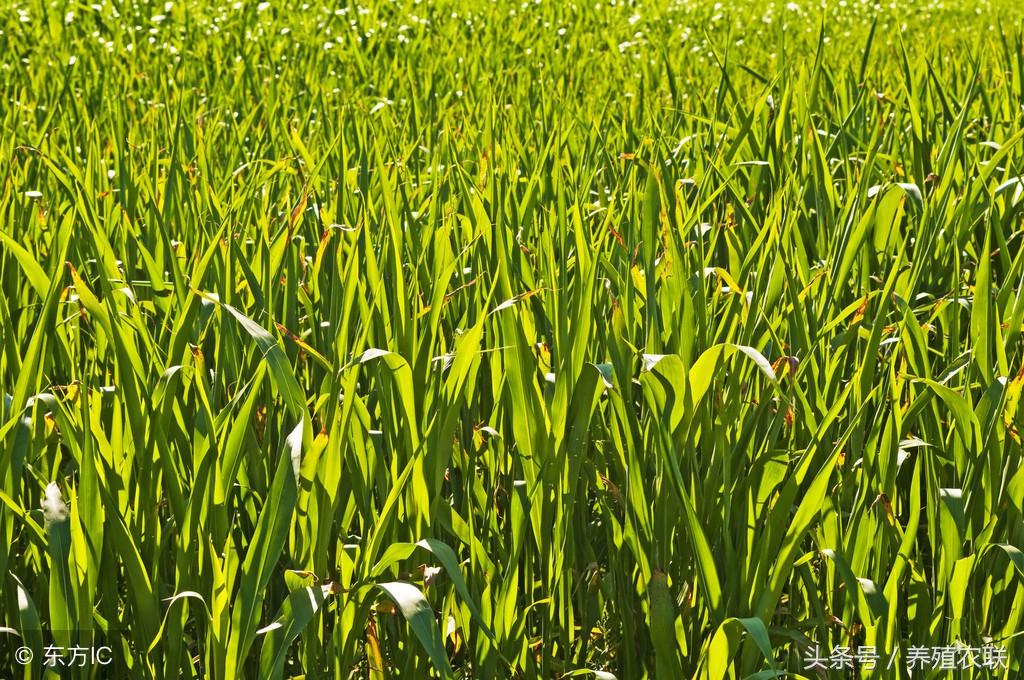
(532, 340)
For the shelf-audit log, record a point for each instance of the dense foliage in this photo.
(510, 340)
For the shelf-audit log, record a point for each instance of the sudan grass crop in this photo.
(529, 340)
